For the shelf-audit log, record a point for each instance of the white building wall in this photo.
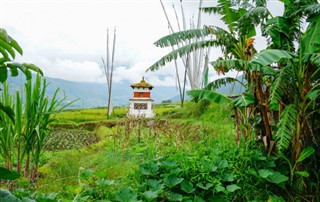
(147, 113)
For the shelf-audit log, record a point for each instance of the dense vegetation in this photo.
(262, 145)
(281, 99)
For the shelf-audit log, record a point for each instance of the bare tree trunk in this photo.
(264, 109)
(110, 107)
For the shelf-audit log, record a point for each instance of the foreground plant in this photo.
(25, 117)
(8, 49)
(282, 89)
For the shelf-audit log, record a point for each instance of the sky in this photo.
(67, 38)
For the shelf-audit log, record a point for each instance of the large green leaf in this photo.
(244, 100)
(286, 127)
(250, 19)
(5, 45)
(33, 67)
(149, 168)
(126, 195)
(86, 174)
(9, 44)
(6, 196)
(313, 58)
(6, 174)
(155, 185)
(104, 182)
(8, 111)
(209, 95)
(187, 187)
(150, 195)
(221, 82)
(310, 41)
(279, 87)
(3, 74)
(228, 14)
(302, 173)
(270, 56)
(178, 37)
(306, 152)
(277, 178)
(232, 187)
(23, 68)
(16, 46)
(207, 186)
(4, 54)
(198, 199)
(174, 196)
(264, 173)
(181, 52)
(172, 180)
(14, 71)
(279, 29)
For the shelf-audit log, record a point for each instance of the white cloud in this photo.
(68, 38)
(74, 70)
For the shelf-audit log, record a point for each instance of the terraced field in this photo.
(64, 139)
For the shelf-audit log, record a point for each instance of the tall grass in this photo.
(23, 140)
(6, 129)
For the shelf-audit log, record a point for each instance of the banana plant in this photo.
(241, 24)
(236, 43)
(296, 88)
(8, 50)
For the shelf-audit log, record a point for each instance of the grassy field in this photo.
(99, 114)
(124, 147)
(184, 154)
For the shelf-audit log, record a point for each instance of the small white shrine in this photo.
(141, 105)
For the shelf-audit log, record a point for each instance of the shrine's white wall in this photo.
(147, 113)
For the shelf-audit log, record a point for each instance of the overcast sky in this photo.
(67, 38)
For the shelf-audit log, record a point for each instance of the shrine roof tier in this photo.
(142, 84)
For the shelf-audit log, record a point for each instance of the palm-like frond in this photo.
(250, 19)
(280, 87)
(310, 42)
(244, 100)
(221, 82)
(8, 111)
(312, 58)
(260, 2)
(270, 56)
(181, 52)
(8, 45)
(280, 30)
(221, 36)
(178, 37)
(226, 10)
(286, 127)
(311, 9)
(209, 95)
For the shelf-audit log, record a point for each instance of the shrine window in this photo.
(140, 106)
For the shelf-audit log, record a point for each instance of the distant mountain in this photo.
(229, 89)
(94, 94)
